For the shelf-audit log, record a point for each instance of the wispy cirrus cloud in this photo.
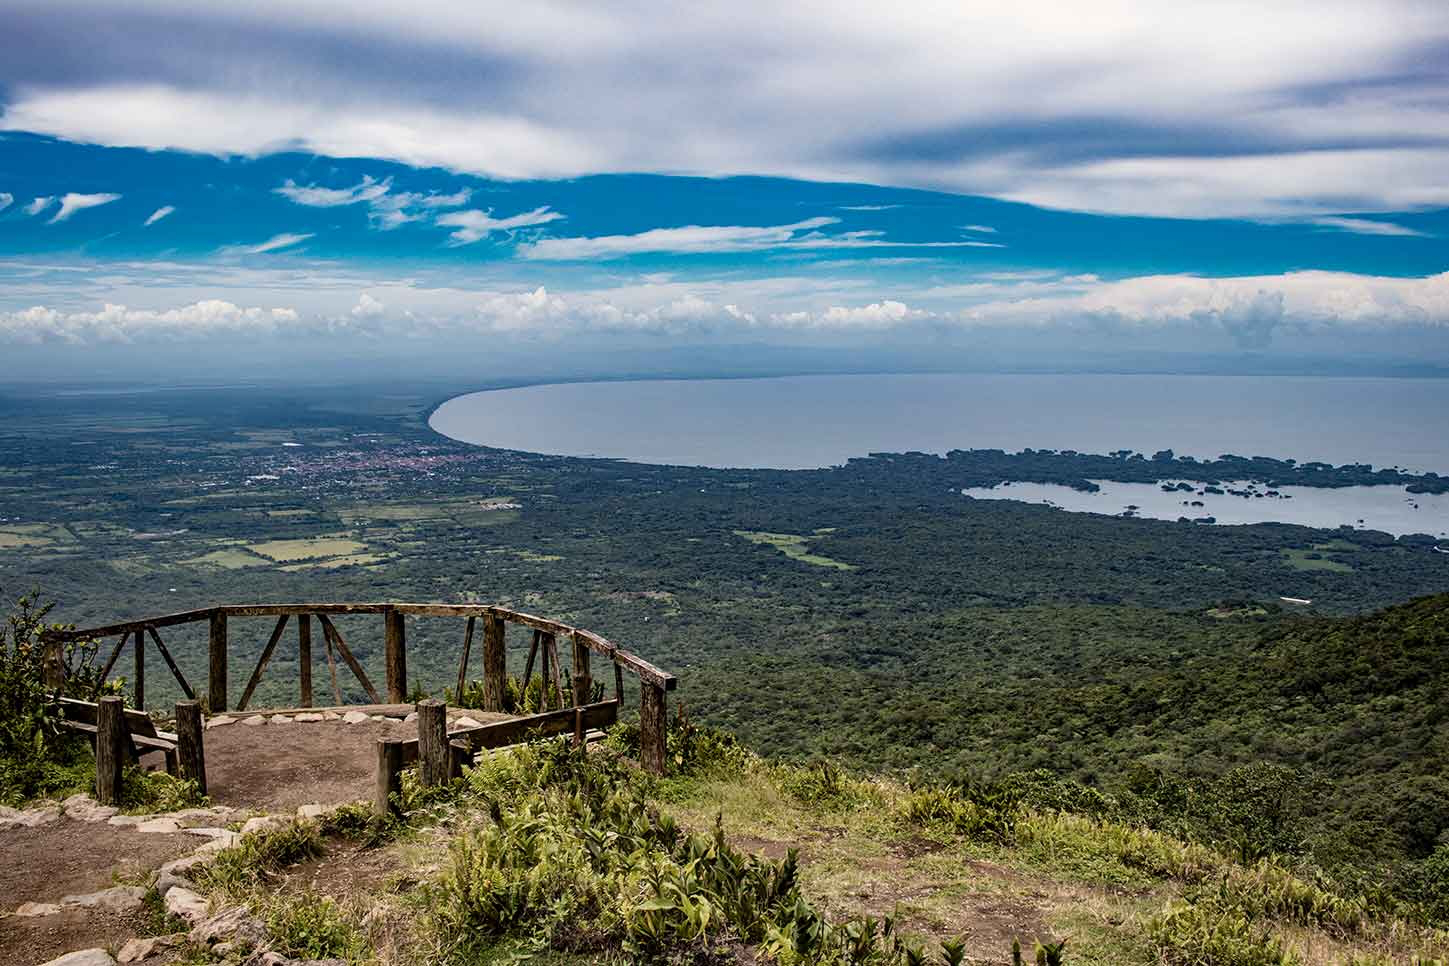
(39, 204)
(72, 202)
(6, 200)
(1368, 226)
(158, 214)
(475, 225)
(275, 243)
(722, 239)
(387, 209)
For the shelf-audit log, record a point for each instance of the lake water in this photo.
(803, 422)
(1387, 508)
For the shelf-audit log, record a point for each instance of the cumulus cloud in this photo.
(119, 324)
(367, 307)
(158, 214)
(275, 243)
(721, 239)
(72, 202)
(474, 225)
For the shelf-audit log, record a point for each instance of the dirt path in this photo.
(277, 767)
(270, 768)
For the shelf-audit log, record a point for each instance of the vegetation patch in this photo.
(1315, 559)
(794, 546)
(287, 551)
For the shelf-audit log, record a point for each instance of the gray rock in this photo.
(183, 865)
(331, 716)
(311, 811)
(136, 950)
(413, 716)
(254, 720)
(126, 821)
(166, 881)
(279, 719)
(262, 823)
(186, 904)
(84, 957)
(30, 910)
(467, 722)
(83, 808)
(30, 818)
(220, 721)
(307, 717)
(355, 717)
(121, 899)
(232, 925)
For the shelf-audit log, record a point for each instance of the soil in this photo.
(277, 767)
(68, 857)
(29, 942)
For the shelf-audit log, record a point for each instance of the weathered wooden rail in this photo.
(654, 683)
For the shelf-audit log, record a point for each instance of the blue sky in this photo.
(1191, 179)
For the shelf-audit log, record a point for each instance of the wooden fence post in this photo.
(583, 680)
(653, 726)
(216, 686)
(111, 752)
(495, 662)
(190, 754)
(140, 683)
(389, 776)
(304, 657)
(54, 664)
(434, 755)
(395, 645)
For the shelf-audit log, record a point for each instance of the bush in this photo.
(1190, 934)
(311, 926)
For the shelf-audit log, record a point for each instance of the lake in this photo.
(801, 422)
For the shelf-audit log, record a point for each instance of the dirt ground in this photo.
(267, 768)
(277, 767)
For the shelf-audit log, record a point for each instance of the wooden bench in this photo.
(81, 716)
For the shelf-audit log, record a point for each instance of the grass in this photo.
(232, 558)
(794, 546)
(288, 551)
(1311, 560)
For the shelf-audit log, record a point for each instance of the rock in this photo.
(208, 831)
(30, 818)
(311, 811)
(123, 821)
(166, 881)
(279, 719)
(355, 717)
(30, 910)
(232, 925)
(220, 721)
(331, 716)
(120, 899)
(185, 864)
(83, 808)
(159, 826)
(262, 823)
(410, 718)
(467, 722)
(203, 814)
(136, 950)
(254, 720)
(84, 957)
(307, 717)
(379, 718)
(216, 845)
(186, 904)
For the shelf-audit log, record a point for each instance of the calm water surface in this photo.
(804, 422)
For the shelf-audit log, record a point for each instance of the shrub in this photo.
(260, 856)
(311, 926)
(1190, 934)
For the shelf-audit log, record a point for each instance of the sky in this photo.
(1184, 184)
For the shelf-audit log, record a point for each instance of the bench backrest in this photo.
(137, 722)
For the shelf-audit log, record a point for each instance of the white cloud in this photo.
(119, 324)
(158, 214)
(367, 307)
(474, 225)
(72, 202)
(1367, 226)
(721, 239)
(387, 209)
(39, 204)
(1284, 108)
(6, 200)
(982, 228)
(869, 207)
(315, 196)
(275, 243)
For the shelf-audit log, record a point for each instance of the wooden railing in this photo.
(654, 683)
